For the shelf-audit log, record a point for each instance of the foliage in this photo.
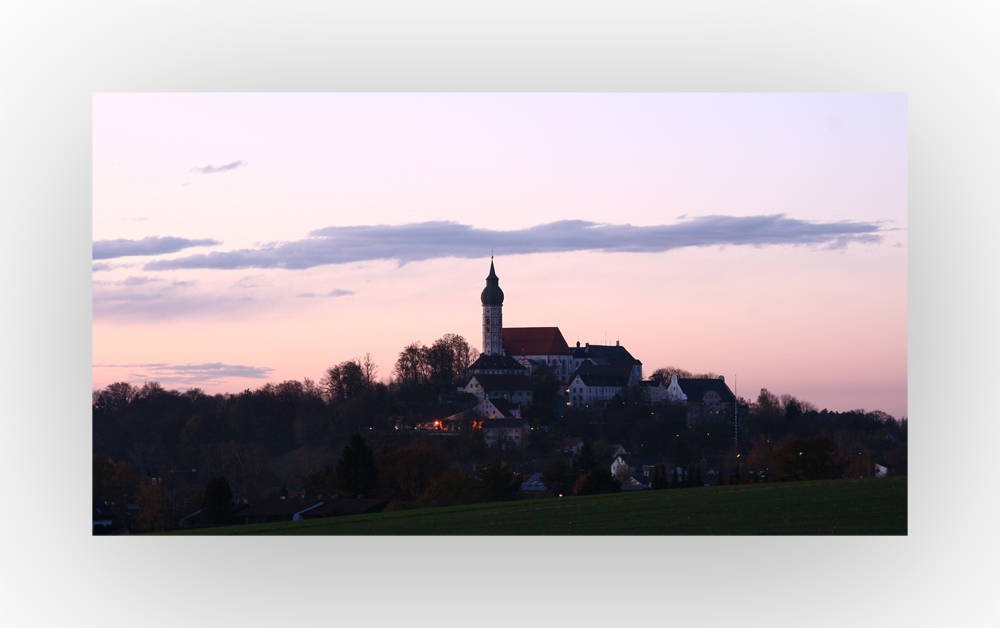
(217, 503)
(663, 374)
(597, 481)
(660, 478)
(586, 460)
(806, 459)
(474, 445)
(405, 473)
(321, 483)
(103, 471)
(499, 482)
(155, 512)
(349, 380)
(559, 477)
(451, 489)
(356, 470)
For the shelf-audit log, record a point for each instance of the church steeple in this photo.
(492, 299)
(492, 294)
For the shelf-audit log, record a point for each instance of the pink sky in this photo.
(813, 304)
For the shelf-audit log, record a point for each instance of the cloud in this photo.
(191, 375)
(99, 266)
(152, 245)
(213, 169)
(250, 281)
(336, 292)
(429, 240)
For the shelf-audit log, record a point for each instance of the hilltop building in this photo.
(588, 375)
(707, 401)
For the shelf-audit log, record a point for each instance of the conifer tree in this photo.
(356, 468)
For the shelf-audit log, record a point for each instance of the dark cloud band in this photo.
(430, 240)
(153, 245)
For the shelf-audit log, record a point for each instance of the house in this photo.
(607, 355)
(596, 384)
(532, 485)
(708, 401)
(496, 365)
(513, 388)
(573, 445)
(444, 417)
(654, 392)
(636, 482)
(498, 409)
(506, 433)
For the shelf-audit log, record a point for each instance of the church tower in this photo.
(492, 299)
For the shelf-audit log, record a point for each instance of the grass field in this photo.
(859, 506)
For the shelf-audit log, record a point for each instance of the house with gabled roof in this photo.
(498, 409)
(708, 400)
(607, 355)
(573, 445)
(596, 384)
(496, 364)
(513, 388)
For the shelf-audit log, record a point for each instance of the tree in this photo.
(474, 445)
(499, 481)
(559, 477)
(806, 459)
(599, 480)
(103, 469)
(154, 506)
(346, 381)
(356, 470)
(586, 460)
(406, 473)
(322, 483)
(217, 504)
(411, 367)
(759, 458)
(660, 478)
(115, 398)
(452, 488)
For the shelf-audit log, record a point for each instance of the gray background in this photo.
(55, 54)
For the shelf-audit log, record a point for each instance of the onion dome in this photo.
(492, 294)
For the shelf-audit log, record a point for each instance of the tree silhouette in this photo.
(217, 504)
(356, 468)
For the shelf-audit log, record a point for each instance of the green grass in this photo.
(858, 506)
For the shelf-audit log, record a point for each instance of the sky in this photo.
(241, 239)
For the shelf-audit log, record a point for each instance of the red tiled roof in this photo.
(534, 341)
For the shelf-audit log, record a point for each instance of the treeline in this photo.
(153, 429)
(260, 437)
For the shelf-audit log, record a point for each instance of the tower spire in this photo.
(492, 300)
